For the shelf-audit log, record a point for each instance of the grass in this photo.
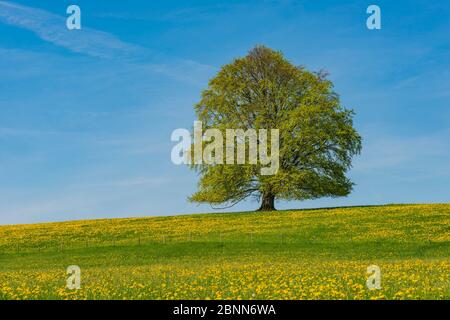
(295, 254)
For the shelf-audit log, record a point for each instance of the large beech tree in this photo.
(317, 140)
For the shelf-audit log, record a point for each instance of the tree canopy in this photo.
(317, 140)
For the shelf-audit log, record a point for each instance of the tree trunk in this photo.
(268, 202)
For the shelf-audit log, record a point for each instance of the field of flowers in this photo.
(302, 254)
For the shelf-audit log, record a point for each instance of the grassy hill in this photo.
(298, 254)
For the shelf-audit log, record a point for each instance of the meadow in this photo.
(293, 254)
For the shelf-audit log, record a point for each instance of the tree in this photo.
(317, 140)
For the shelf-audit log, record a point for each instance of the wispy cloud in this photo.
(99, 44)
(385, 151)
(186, 71)
(134, 182)
(16, 132)
(52, 28)
(98, 199)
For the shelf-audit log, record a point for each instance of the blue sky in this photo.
(86, 115)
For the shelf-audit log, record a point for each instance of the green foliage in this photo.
(263, 90)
